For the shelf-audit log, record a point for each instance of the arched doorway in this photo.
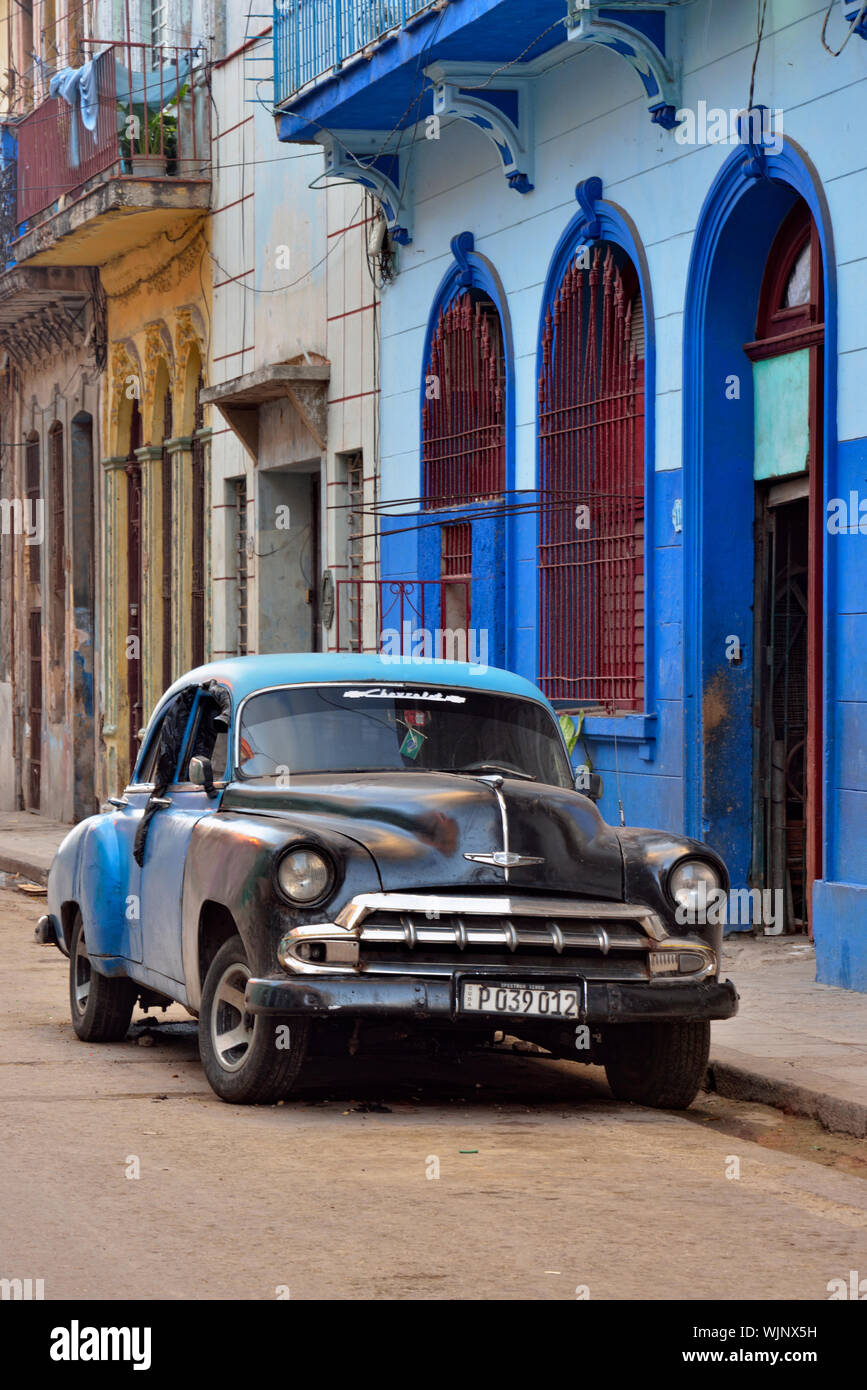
(787, 362)
(747, 265)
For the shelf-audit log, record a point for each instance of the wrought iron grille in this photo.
(241, 562)
(35, 707)
(58, 512)
(591, 425)
(33, 490)
(464, 415)
(151, 121)
(313, 37)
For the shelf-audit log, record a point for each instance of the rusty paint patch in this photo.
(715, 707)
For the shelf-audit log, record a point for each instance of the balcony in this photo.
(122, 156)
(372, 69)
(313, 38)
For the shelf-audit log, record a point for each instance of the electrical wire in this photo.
(761, 10)
(835, 53)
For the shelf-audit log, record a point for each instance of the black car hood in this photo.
(419, 826)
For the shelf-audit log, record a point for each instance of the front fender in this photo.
(230, 862)
(87, 870)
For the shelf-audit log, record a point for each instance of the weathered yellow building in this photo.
(105, 157)
(155, 480)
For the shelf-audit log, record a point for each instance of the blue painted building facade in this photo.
(502, 137)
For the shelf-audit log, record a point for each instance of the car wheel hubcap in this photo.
(231, 1026)
(82, 974)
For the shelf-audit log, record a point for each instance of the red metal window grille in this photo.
(32, 491)
(458, 550)
(591, 425)
(58, 512)
(457, 569)
(168, 548)
(197, 598)
(464, 415)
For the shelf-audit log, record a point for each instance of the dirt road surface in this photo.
(546, 1188)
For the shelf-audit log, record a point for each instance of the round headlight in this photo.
(691, 882)
(304, 875)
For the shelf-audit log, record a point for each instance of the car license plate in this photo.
(539, 1001)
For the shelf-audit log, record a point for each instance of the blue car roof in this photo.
(245, 674)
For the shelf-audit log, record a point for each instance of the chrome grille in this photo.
(461, 932)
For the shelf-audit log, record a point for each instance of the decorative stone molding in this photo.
(500, 106)
(158, 349)
(122, 366)
(187, 337)
(658, 73)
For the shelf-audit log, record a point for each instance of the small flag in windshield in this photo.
(412, 744)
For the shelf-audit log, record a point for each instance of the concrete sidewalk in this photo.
(28, 844)
(795, 1044)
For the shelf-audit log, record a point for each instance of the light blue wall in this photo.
(591, 119)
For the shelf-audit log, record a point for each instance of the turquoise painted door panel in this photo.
(782, 414)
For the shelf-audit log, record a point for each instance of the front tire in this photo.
(243, 1055)
(661, 1065)
(101, 1007)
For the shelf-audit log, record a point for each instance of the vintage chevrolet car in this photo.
(317, 849)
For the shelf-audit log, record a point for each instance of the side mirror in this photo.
(588, 783)
(201, 772)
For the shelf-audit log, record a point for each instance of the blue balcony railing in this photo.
(315, 37)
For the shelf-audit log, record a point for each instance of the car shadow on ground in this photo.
(377, 1082)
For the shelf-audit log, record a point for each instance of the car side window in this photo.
(147, 767)
(164, 748)
(209, 736)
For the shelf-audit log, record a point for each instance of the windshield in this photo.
(388, 728)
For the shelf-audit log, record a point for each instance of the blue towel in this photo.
(78, 88)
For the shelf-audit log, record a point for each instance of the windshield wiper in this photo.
(498, 767)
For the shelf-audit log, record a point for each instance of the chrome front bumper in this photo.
(437, 1001)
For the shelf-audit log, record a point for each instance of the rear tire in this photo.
(101, 1007)
(661, 1065)
(242, 1054)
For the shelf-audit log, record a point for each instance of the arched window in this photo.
(464, 416)
(791, 298)
(591, 428)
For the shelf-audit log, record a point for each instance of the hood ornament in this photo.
(504, 859)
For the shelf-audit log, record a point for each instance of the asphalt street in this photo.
(506, 1176)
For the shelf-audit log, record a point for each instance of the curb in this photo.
(26, 868)
(733, 1076)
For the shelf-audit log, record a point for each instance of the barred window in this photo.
(464, 415)
(591, 427)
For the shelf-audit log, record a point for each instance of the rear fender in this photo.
(88, 871)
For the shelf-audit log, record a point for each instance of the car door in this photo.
(128, 814)
(168, 838)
